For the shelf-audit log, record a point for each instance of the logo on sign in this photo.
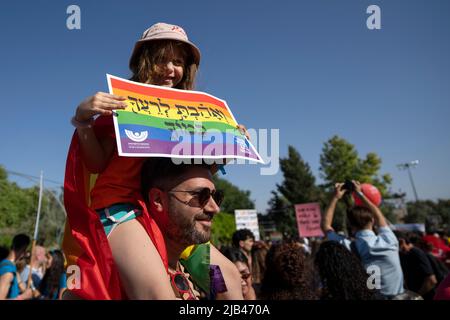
(136, 136)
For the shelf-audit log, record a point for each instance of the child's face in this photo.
(171, 70)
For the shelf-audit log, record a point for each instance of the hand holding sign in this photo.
(166, 122)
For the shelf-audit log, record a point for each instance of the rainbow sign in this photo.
(166, 122)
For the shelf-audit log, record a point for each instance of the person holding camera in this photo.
(379, 252)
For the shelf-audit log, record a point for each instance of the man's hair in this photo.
(242, 235)
(163, 174)
(20, 242)
(359, 217)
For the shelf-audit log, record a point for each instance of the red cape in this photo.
(85, 243)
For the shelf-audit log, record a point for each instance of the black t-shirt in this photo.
(439, 268)
(416, 268)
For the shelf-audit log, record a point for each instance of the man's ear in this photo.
(157, 200)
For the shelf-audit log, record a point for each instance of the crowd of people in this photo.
(46, 280)
(372, 263)
(333, 271)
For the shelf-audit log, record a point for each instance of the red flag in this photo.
(85, 243)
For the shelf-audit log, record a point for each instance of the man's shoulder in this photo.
(418, 253)
(342, 239)
(384, 233)
(7, 266)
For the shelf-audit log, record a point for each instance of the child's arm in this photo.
(96, 152)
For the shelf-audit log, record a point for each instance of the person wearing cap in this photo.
(375, 250)
(163, 56)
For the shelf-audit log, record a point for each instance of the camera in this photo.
(348, 186)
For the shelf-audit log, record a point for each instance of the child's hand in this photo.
(243, 130)
(101, 103)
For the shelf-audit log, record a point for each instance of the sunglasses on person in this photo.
(181, 284)
(245, 275)
(201, 196)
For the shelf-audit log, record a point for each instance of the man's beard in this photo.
(182, 229)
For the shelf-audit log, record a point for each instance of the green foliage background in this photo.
(18, 209)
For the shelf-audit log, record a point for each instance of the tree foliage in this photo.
(235, 198)
(282, 213)
(421, 211)
(224, 223)
(340, 161)
(298, 186)
(223, 227)
(18, 208)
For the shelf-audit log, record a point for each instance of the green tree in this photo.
(340, 161)
(223, 227)
(282, 213)
(18, 208)
(235, 198)
(298, 186)
(419, 211)
(224, 223)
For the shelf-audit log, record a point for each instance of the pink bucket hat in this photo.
(164, 31)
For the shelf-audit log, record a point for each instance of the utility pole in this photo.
(407, 166)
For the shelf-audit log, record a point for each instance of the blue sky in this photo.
(314, 62)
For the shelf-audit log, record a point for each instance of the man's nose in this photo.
(212, 206)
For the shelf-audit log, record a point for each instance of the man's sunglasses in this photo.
(202, 196)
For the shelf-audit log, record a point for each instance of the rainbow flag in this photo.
(166, 122)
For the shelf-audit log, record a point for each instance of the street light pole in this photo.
(408, 166)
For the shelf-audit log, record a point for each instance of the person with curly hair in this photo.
(288, 274)
(342, 274)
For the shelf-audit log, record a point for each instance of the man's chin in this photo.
(201, 236)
